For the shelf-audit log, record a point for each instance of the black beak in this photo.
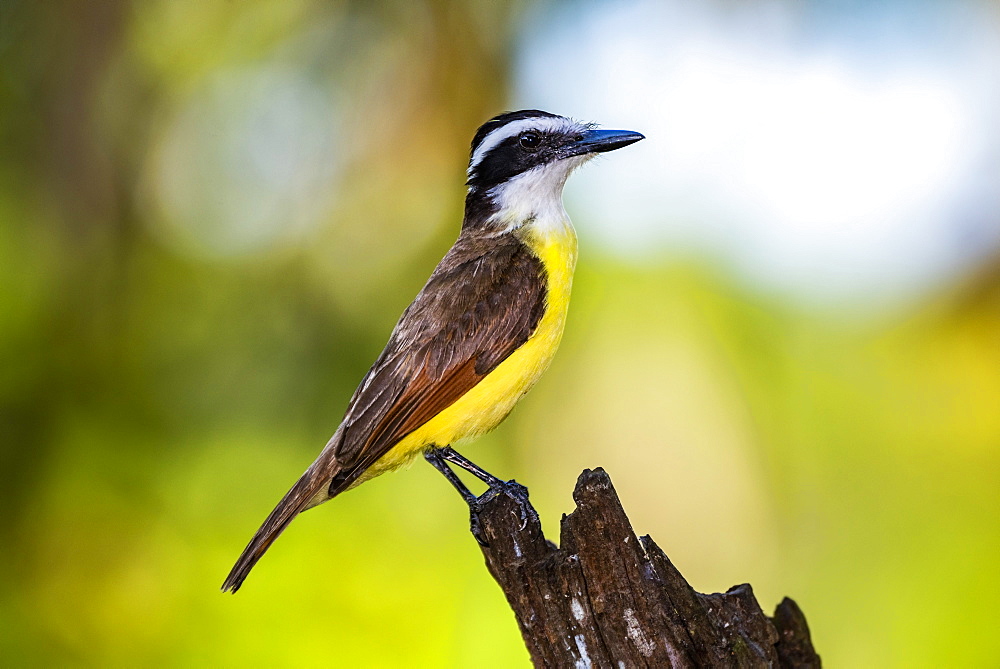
(599, 141)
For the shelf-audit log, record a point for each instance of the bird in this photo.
(480, 332)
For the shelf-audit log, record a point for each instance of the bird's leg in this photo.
(439, 457)
(451, 455)
(436, 458)
(513, 489)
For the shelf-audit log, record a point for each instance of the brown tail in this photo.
(292, 504)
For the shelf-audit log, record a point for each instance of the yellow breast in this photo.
(489, 401)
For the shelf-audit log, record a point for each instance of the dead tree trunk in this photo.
(606, 598)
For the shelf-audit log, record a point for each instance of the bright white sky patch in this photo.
(844, 163)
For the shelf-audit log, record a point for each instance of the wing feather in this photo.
(454, 334)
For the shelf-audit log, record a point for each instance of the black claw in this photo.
(519, 494)
(476, 527)
(512, 489)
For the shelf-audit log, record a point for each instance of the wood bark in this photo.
(607, 598)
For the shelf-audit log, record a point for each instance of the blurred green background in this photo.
(784, 344)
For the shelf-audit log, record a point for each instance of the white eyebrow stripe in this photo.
(495, 138)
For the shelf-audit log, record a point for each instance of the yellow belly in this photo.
(489, 401)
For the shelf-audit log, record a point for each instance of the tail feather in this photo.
(295, 501)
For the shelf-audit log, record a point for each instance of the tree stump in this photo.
(606, 598)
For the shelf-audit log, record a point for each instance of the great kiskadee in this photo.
(480, 332)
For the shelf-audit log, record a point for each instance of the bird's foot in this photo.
(512, 489)
(440, 457)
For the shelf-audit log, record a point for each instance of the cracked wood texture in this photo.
(607, 598)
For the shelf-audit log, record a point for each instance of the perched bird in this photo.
(480, 332)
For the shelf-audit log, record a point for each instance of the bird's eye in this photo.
(530, 141)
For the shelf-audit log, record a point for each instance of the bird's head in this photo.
(520, 162)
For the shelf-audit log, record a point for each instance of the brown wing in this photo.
(482, 302)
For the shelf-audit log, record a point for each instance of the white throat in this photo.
(535, 197)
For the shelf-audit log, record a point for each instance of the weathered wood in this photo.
(607, 598)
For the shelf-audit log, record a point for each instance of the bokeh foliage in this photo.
(163, 381)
